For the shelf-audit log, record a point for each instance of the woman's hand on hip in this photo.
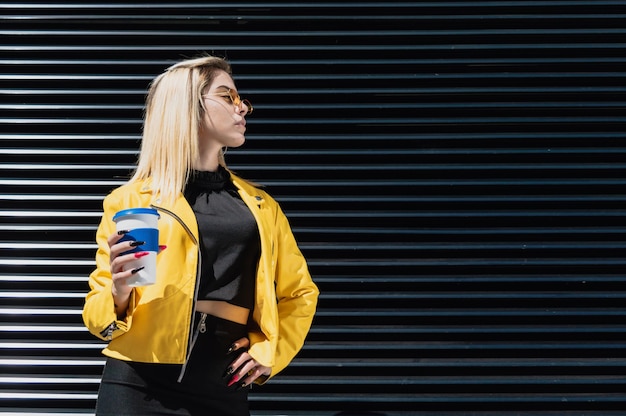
(245, 369)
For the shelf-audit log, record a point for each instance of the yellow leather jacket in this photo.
(158, 326)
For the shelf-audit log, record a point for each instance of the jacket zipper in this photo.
(177, 218)
(193, 335)
(108, 331)
(202, 323)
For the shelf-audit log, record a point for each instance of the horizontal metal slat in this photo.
(356, 106)
(482, 278)
(185, 18)
(55, 362)
(402, 247)
(501, 399)
(349, 91)
(567, 263)
(82, 33)
(552, 363)
(374, 348)
(404, 331)
(581, 45)
(528, 76)
(50, 347)
(318, 5)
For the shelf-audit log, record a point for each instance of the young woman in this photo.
(233, 299)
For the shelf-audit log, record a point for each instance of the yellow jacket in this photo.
(158, 327)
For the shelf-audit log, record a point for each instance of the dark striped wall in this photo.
(453, 170)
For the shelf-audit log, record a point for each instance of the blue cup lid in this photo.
(135, 211)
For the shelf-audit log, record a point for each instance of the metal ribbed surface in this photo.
(452, 170)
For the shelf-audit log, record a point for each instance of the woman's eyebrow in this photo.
(227, 88)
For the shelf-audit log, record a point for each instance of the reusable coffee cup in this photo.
(142, 225)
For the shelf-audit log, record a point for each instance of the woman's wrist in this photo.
(120, 302)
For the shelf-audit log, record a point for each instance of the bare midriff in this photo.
(224, 310)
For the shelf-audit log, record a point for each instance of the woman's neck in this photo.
(209, 163)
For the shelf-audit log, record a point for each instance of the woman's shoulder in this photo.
(134, 186)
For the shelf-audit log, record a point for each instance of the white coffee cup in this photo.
(142, 225)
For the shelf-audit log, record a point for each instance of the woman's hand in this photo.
(245, 369)
(120, 289)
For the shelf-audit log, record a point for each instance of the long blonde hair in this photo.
(173, 113)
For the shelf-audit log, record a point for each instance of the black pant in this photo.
(131, 388)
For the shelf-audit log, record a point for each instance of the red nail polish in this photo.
(141, 254)
(161, 248)
(233, 380)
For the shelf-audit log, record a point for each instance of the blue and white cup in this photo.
(142, 225)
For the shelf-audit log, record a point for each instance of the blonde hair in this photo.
(174, 110)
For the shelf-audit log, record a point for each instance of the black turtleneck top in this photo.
(230, 243)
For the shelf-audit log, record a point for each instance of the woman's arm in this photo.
(296, 295)
(107, 312)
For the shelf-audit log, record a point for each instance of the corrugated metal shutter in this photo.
(454, 172)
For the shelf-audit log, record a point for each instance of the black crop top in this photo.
(230, 244)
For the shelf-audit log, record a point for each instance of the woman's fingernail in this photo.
(241, 386)
(161, 248)
(137, 270)
(137, 243)
(141, 254)
(232, 348)
(122, 232)
(233, 380)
